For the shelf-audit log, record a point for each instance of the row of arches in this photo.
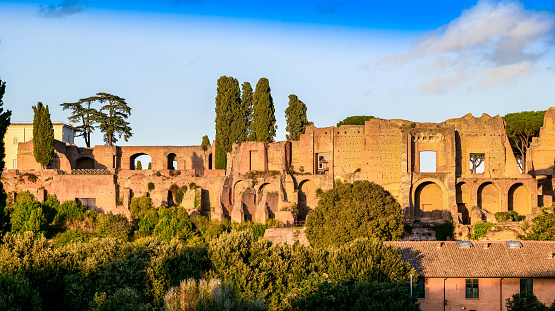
(171, 162)
(431, 199)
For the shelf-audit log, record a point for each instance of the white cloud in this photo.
(496, 41)
(65, 8)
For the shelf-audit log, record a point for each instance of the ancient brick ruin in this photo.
(475, 173)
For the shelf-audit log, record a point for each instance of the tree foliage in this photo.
(5, 117)
(17, 294)
(543, 228)
(521, 127)
(295, 115)
(263, 118)
(527, 301)
(230, 118)
(85, 115)
(139, 166)
(43, 135)
(247, 99)
(350, 211)
(355, 120)
(205, 143)
(112, 118)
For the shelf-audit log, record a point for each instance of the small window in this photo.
(472, 290)
(15, 140)
(427, 161)
(526, 286)
(14, 164)
(467, 244)
(514, 244)
(421, 288)
(477, 163)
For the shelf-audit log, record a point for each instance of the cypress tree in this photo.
(248, 102)
(139, 166)
(263, 119)
(230, 118)
(4, 123)
(43, 136)
(295, 115)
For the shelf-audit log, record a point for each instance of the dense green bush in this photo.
(506, 216)
(350, 211)
(481, 229)
(543, 228)
(210, 295)
(173, 222)
(16, 294)
(27, 215)
(71, 236)
(139, 206)
(68, 211)
(123, 299)
(114, 226)
(527, 301)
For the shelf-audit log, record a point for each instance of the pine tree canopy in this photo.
(295, 115)
(112, 118)
(521, 127)
(263, 120)
(355, 120)
(43, 135)
(82, 113)
(231, 118)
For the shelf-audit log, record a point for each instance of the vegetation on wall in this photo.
(295, 116)
(43, 135)
(350, 211)
(355, 120)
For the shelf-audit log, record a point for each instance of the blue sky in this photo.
(424, 61)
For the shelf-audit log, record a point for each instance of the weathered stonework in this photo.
(281, 180)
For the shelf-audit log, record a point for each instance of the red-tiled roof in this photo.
(498, 260)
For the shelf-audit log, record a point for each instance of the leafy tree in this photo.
(43, 135)
(69, 211)
(295, 115)
(521, 127)
(173, 222)
(355, 120)
(17, 294)
(123, 299)
(247, 99)
(263, 117)
(27, 216)
(112, 118)
(114, 226)
(139, 166)
(230, 118)
(82, 113)
(350, 211)
(544, 226)
(526, 301)
(4, 123)
(205, 143)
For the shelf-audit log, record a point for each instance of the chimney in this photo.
(549, 255)
(439, 244)
(486, 245)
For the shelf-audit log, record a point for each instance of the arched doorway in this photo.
(463, 201)
(85, 163)
(307, 199)
(429, 202)
(488, 197)
(519, 199)
(269, 193)
(172, 163)
(144, 159)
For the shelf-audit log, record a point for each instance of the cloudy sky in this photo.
(424, 61)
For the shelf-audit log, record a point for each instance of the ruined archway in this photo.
(269, 193)
(85, 163)
(463, 202)
(248, 200)
(519, 199)
(172, 163)
(145, 159)
(488, 197)
(307, 198)
(429, 201)
(210, 161)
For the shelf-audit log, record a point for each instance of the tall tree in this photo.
(263, 119)
(230, 118)
(112, 118)
(248, 102)
(205, 145)
(4, 123)
(83, 113)
(43, 136)
(295, 115)
(521, 127)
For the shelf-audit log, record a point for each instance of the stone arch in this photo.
(489, 197)
(269, 193)
(463, 201)
(85, 163)
(134, 157)
(171, 195)
(172, 163)
(430, 199)
(307, 199)
(519, 199)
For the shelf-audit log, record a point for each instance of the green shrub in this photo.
(147, 223)
(16, 294)
(24, 195)
(122, 299)
(180, 193)
(481, 229)
(506, 216)
(50, 207)
(69, 211)
(525, 301)
(150, 184)
(140, 206)
(114, 226)
(173, 222)
(444, 231)
(256, 228)
(543, 228)
(71, 236)
(27, 216)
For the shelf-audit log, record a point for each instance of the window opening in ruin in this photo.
(172, 163)
(428, 162)
(322, 163)
(477, 163)
(88, 203)
(145, 159)
(472, 290)
(210, 161)
(526, 286)
(253, 160)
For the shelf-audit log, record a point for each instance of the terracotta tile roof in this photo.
(498, 260)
